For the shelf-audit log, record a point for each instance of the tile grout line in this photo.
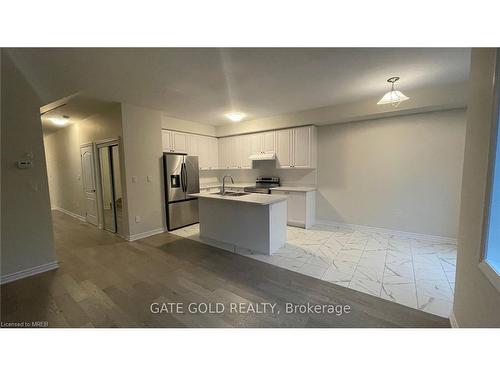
(385, 266)
(447, 280)
(414, 273)
(357, 263)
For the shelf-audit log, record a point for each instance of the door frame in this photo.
(100, 204)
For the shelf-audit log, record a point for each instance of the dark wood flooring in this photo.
(104, 281)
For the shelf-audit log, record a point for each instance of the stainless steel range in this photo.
(263, 185)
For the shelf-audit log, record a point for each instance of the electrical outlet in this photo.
(138, 219)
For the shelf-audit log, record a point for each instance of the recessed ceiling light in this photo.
(235, 116)
(393, 97)
(60, 121)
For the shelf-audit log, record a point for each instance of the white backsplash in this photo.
(289, 177)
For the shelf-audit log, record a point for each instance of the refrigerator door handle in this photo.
(183, 177)
(186, 178)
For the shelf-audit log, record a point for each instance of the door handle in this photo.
(186, 178)
(183, 177)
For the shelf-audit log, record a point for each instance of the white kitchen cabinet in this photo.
(255, 143)
(180, 142)
(284, 144)
(244, 152)
(207, 152)
(261, 143)
(301, 211)
(193, 145)
(205, 147)
(166, 140)
(203, 153)
(177, 142)
(213, 153)
(296, 147)
(224, 162)
(234, 152)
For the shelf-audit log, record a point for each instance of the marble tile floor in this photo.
(412, 272)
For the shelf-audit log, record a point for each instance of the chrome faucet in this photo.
(224, 183)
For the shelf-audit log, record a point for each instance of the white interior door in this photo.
(87, 156)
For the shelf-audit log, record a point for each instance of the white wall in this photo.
(172, 123)
(143, 154)
(477, 302)
(400, 173)
(27, 239)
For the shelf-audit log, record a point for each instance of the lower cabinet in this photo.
(301, 207)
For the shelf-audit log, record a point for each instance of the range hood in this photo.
(263, 156)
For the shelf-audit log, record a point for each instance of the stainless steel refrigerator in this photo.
(181, 179)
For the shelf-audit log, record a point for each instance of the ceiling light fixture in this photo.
(60, 121)
(393, 97)
(235, 116)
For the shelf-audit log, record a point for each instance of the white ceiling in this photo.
(76, 108)
(202, 84)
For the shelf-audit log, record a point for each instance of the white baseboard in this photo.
(72, 214)
(453, 321)
(29, 272)
(138, 236)
(365, 228)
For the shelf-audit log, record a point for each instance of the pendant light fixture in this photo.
(393, 97)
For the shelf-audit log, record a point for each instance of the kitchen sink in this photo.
(231, 194)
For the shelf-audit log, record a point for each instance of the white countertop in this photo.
(295, 188)
(252, 198)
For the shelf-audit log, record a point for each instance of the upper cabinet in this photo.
(234, 152)
(166, 140)
(196, 145)
(224, 162)
(207, 152)
(262, 143)
(296, 147)
(174, 141)
(180, 142)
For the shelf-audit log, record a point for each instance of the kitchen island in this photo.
(256, 222)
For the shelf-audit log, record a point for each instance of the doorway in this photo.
(111, 192)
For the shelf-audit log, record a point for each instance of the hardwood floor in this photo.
(104, 281)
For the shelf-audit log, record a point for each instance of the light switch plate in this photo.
(149, 178)
(134, 179)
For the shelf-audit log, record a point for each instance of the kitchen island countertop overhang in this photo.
(251, 198)
(255, 222)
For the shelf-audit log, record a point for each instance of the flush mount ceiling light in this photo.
(393, 97)
(235, 116)
(60, 121)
